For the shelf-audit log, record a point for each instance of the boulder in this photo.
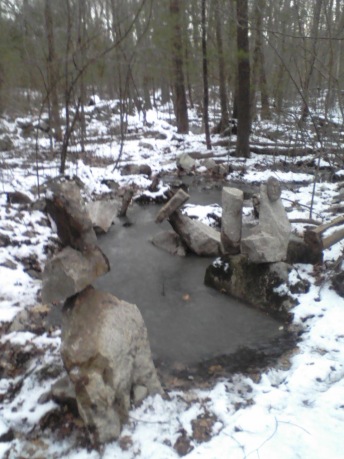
(103, 214)
(68, 210)
(198, 237)
(264, 286)
(6, 143)
(136, 169)
(268, 241)
(170, 242)
(177, 200)
(300, 252)
(186, 163)
(70, 271)
(110, 363)
(232, 203)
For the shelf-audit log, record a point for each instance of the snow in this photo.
(292, 411)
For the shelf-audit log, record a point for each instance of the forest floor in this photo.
(294, 409)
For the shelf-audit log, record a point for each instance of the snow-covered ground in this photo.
(295, 410)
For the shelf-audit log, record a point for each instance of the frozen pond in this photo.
(187, 322)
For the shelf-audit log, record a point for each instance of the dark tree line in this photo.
(249, 58)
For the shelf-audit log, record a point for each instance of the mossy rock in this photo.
(264, 286)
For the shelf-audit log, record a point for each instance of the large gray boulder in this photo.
(186, 163)
(103, 214)
(68, 210)
(232, 203)
(109, 363)
(268, 241)
(70, 271)
(201, 239)
(265, 286)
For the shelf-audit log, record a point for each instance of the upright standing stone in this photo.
(268, 242)
(232, 203)
(106, 353)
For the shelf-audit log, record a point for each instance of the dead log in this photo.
(313, 237)
(172, 205)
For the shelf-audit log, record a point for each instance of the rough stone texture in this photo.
(198, 237)
(70, 271)
(177, 200)
(273, 189)
(109, 362)
(170, 242)
(63, 392)
(103, 214)
(254, 284)
(67, 208)
(268, 241)
(136, 169)
(300, 252)
(186, 163)
(232, 202)
(338, 283)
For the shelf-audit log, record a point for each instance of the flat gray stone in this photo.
(232, 203)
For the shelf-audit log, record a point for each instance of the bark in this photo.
(205, 78)
(180, 105)
(224, 122)
(52, 72)
(243, 59)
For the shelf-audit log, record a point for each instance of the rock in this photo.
(338, 283)
(70, 272)
(273, 189)
(268, 241)
(232, 203)
(107, 363)
(171, 242)
(186, 163)
(300, 252)
(63, 392)
(102, 214)
(198, 237)
(67, 208)
(17, 197)
(211, 165)
(5, 240)
(146, 145)
(136, 169)
(6, 143)
(177, 200)
(254, 284)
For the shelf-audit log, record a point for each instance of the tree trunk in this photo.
(180, 105)
(224, 122)
(244, 118)
(205, 78)
(52, 73)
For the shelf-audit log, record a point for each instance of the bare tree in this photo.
(180, 105)
(244, 118)
(205, 77)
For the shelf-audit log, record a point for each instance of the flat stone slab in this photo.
(70, 272)
(177, 200)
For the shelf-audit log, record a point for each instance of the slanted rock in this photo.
(198, 237)
(170, 242)
(264, 286)
(268, 241)
(70, 271)
(177, 200)
(110, 363)
(67, 208)
(232, 203)
(186, 163)
(103, 214)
